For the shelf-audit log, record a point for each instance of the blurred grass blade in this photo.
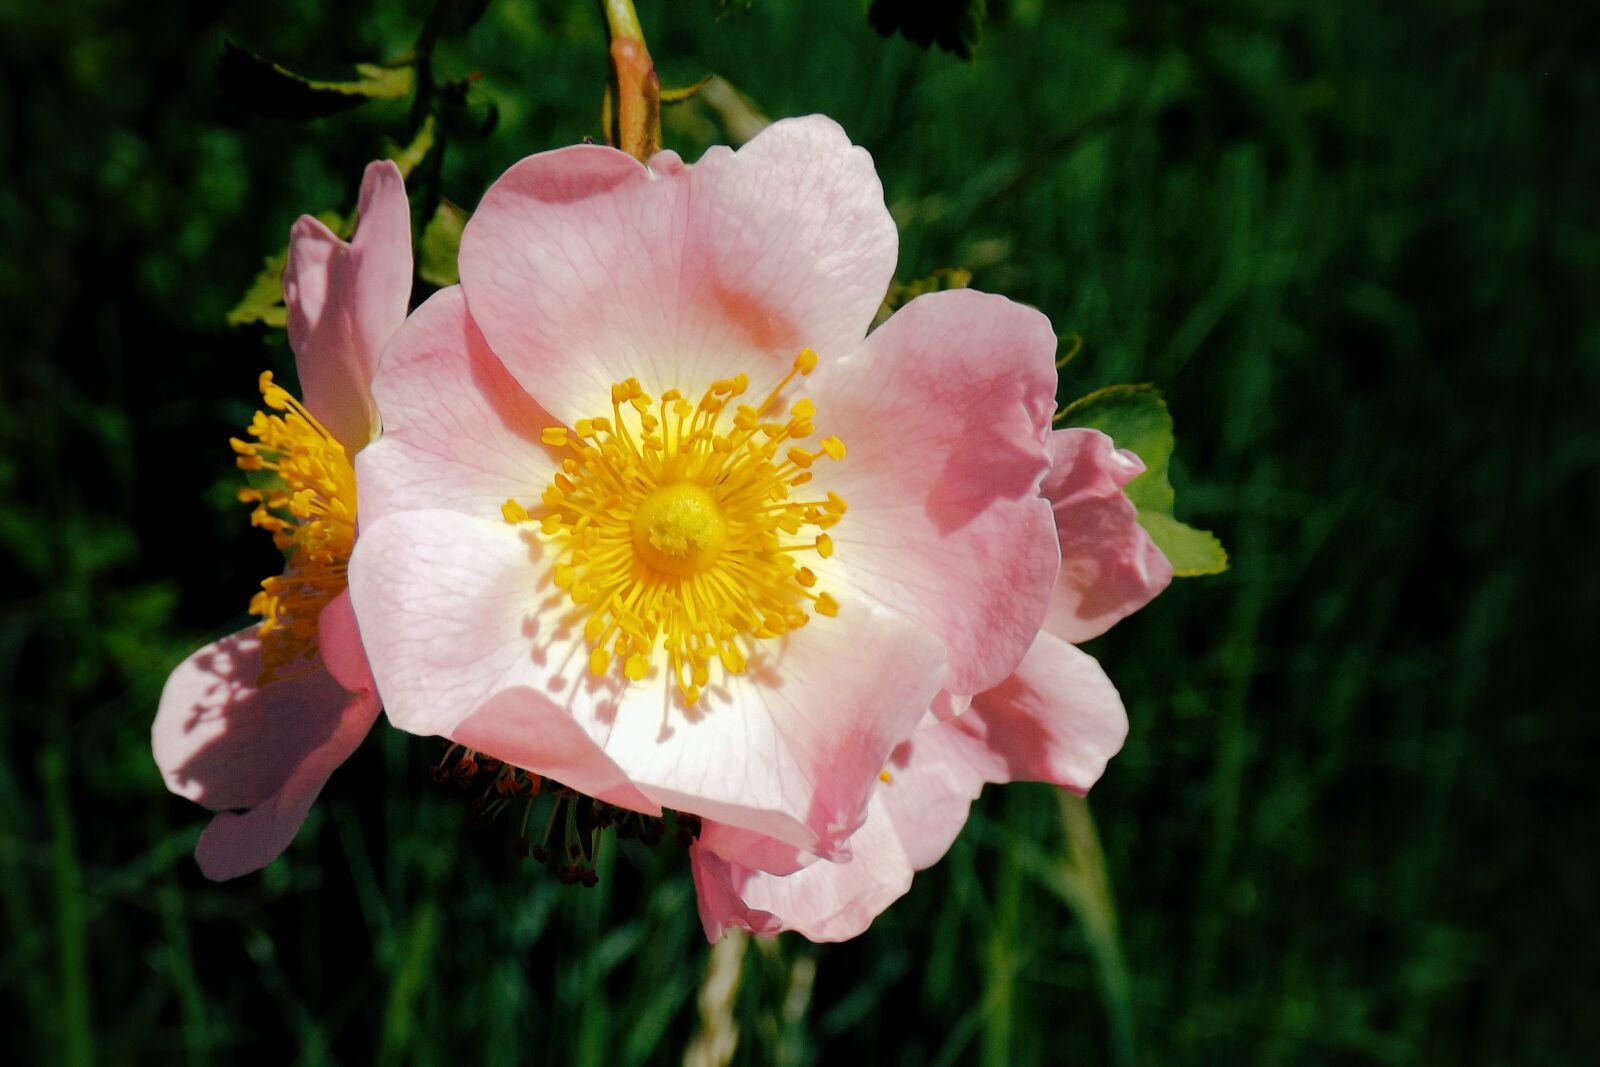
(77, 1035)
(1087, 890)
(718, 1038)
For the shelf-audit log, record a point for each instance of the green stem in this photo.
(623, 20)
(423, 53)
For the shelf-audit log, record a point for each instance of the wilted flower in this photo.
(251, 726)
(1056, 719)
(654, 517)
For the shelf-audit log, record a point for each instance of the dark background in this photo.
(1355, 821)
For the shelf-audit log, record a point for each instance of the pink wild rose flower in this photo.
(251, 726)
(1057, 719)
(655, 517)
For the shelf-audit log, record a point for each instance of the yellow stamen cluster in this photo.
(676, 530)
(308, 504)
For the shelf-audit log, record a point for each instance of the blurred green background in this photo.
(1355, 821)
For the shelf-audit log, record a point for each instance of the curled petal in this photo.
(1109, 566)
(345, 300)
(823, 901)
(1057, 719)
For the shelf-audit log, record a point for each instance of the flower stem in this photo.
(631, 113)
(623, 20)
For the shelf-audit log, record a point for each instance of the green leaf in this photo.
(408, 157)
(263, 301)
(954, 25)
(1191, 552)
(679, 95)
(1136, 418)
(440, 244)
(263, 87)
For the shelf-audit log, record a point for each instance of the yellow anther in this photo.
(826, 605)
(311, 517)
(673, 531)
(732, 659)
(833, 447)
(514, 512)
(554, 436)
(885, 777)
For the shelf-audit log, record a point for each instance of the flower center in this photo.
(677, 529)
(304, 492)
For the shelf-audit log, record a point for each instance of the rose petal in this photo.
(456, 612)
(339, 642)
(932, 784)
(227, 744)
(754, 850)
(1057, 719)
(583, 268)
(824, 901)
(237, 843)
(943, 416)
(458, 431)
(719, 903)
(457, 621)
(790, 748)
(1109, 566)
(345, 300)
